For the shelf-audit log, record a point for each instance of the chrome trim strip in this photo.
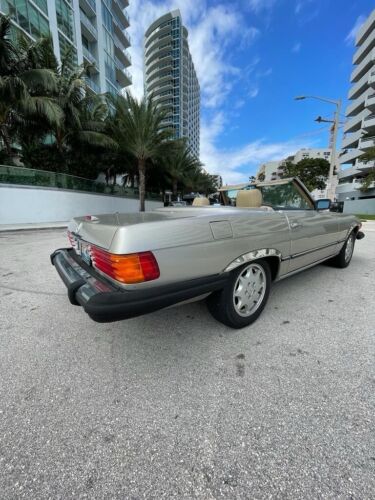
(306, 252)
(304, 268)
(254, 255)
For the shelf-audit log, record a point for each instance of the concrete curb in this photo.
(32, 227)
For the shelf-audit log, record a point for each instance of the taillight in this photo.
(71, 239)
(131, 268)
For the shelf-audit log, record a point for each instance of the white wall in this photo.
(360, 206)
(23, 204)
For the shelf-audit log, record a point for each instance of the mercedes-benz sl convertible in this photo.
(124, 265)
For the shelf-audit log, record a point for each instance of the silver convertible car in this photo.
(124, 265)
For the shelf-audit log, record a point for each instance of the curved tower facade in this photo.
(169, 75)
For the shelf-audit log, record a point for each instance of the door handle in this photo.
(294, 225)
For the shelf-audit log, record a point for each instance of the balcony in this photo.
(364, 30)
(120, 32)
(89, 56)
(123, 74)
(368, 123)
(357, 105)
(364, 49)
(348, 173)
(91, 31)
(123, 16)
(365, 167)
(89, 6)
(370, 101)
(345, 187)
(362, 85)
(363, 67)
(367, 142)
(355, 123)
(350, 156)
(351, 140)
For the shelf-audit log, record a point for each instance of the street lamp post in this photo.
(336, 123)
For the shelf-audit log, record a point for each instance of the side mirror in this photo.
(324, 204)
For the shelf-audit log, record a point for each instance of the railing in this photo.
(92, 4)
(86, 21)
(118, 23)
(121, 46)
(89, 55)
(370, 117)
(22, 176)
(124, 12)
(93, 86)
(119, 64)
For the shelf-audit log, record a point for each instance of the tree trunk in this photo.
(174, 187)
(142, 184)
(6, 140)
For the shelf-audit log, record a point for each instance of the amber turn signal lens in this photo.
(131, 268)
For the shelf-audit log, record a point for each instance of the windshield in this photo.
(284, 196)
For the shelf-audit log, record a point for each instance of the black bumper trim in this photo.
(115, 304)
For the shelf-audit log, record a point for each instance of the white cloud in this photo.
(237, 164)
(350, 38)
(253, 92)
(301, 4)
(261, 5)
(296, 47)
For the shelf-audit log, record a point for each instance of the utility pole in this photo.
(331, 185)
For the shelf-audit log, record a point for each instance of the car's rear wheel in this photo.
(343, 259)
(244, 296)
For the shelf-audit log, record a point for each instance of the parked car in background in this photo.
(124, 265)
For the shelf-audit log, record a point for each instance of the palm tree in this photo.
(25, 87)
(180, 164)
(370, 177)
(137, 126)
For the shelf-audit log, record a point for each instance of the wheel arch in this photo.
(271, 255)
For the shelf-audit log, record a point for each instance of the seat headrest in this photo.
(201, 202)
(251, 198)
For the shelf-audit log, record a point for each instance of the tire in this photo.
(344, 258)
(244, 297)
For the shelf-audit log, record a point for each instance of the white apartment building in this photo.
(305, 153)
(274, 170)
(359, 129)
(270, 171)
(93, 30)
(170, 76)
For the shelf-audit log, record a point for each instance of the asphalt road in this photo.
(175, 405)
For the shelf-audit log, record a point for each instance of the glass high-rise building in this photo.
(92, 30)
(170, 76)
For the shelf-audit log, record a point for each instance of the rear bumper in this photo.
(104, 302)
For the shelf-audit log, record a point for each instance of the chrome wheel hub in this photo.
(349, 249)
(249, 290)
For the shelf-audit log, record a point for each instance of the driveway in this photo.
(176, 405)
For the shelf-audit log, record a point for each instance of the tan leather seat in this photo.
(201, 202)
(251, 198)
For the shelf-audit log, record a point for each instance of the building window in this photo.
(65, 20)
(107, 18)
(67, 51)
(27, 16)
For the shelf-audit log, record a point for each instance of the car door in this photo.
(313, 234)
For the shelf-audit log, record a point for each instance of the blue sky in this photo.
(252, 57)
